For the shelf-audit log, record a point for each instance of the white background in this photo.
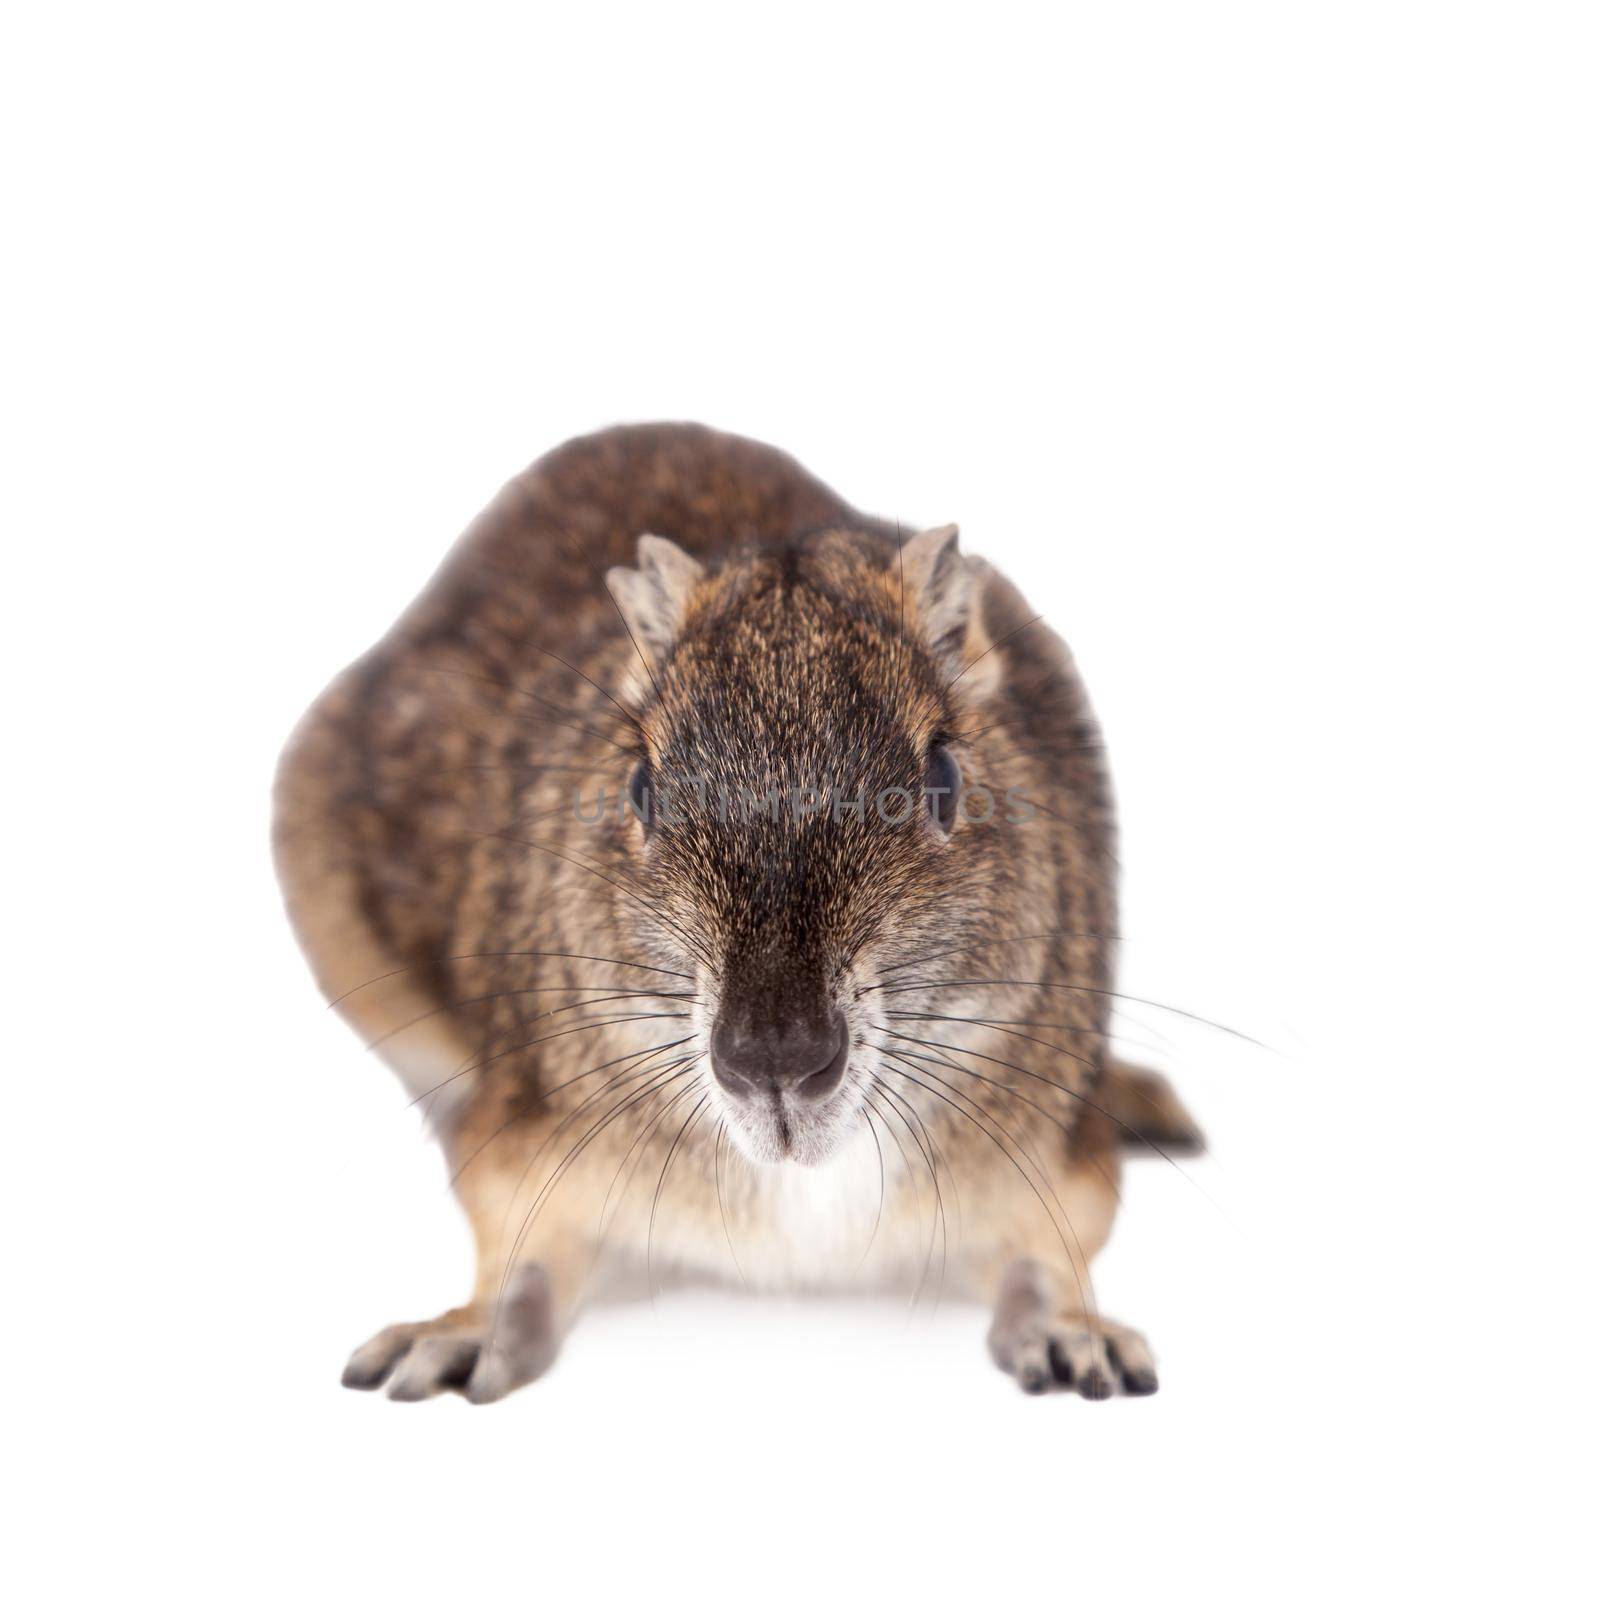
(1258, 343)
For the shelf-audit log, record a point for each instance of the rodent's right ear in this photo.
(654, 596)
(945, 590)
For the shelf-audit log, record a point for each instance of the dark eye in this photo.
(941, 787)
(641, 793)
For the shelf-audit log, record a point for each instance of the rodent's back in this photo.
(580, 509)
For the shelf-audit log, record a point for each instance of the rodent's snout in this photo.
(804, 1056)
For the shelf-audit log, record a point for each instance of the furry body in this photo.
(543, 971)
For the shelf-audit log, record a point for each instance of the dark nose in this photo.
(803, 1058)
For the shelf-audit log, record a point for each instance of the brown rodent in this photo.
(745, 909)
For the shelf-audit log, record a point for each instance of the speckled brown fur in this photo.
(546, 986)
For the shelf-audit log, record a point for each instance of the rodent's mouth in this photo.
(775, 1127)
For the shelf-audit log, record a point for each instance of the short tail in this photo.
(1148, 1114)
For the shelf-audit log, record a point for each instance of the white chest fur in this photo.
(814, 1225)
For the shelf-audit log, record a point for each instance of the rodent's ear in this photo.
(943, 589)
(655, 595)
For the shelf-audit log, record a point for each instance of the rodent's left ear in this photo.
(654, 596)
(944, 591)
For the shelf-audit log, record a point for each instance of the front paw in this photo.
(480, 1351)
(1044, 1348)
(1096, 1358)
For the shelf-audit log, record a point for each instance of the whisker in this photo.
(1076, 988)
(722, 1210)
(661, 1183)
(995, 646)
(653, 1076)
(605, 1022)
(695, 944)
(640, 1139)
(1085, 1290)
(602, 992)
(625, 714)
(982, 944)
(666, 1076)
(477, 1058)
(1061, 1088)
(554, 1089)
(956, 1016)
(1151, 1037)
(873, 1098)
(877, 1221)
(943, 1222)
(588, 561)
(494, 955)
(982, 1077)
(1005, 1088)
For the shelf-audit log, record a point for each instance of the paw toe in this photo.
(1096, 1384)
(1033, 1377)
(1079, 1360)
(1131, 1357)
(508, 1364)
(432, 1366)
(492, 1379)
(369, 1366)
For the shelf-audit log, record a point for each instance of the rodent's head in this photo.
(809, 809)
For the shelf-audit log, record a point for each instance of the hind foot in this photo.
(471, 1351)
(1046, 1350)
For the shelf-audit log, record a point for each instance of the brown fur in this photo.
(528, 973)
